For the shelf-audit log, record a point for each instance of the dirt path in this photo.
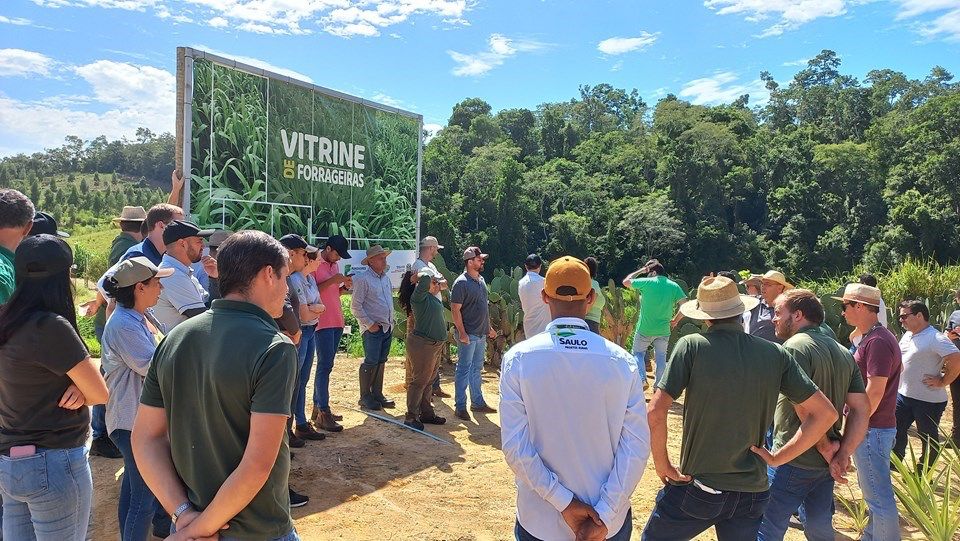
(378, 481)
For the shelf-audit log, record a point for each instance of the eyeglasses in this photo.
(902, 317)
(847, 305)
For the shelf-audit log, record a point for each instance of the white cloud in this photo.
(258, 64)
(797, 62)
(17, 21)
(791, 14)
(722, 87)
(500, 49)
(21, 63)
(385, 99)
(120, 83)
(432, 130)
(946, 22)
(618, 45)
(366, 17)
(218, 22)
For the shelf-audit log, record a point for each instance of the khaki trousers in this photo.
(424, 356)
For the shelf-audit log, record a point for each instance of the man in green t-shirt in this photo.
(732, 381)
(659, 297)
(808, 480)
(210, 433)
(16, 219)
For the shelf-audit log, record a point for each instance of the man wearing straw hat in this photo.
(752, 284)
(879, 358)
(732, 382)
(759, 320)
(372, 305)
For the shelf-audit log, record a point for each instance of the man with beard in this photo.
(183, 297)
(471, 320)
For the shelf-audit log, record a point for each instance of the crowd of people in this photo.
(209, 340)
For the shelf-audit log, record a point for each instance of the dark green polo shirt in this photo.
(832, 368)
(427, 312)
(120, 245)
(209, 374)
(8, 281)
(732, 381)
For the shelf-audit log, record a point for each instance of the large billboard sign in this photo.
(268, 152)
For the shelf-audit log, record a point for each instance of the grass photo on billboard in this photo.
(240, 169)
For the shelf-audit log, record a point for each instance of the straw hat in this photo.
(778, 277)
(374, 251)
(860, 293)
(752, 279)
(718, 298)
(131, 214)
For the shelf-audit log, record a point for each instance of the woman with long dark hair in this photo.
(128, 345)
(46, 381)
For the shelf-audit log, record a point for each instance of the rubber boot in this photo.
(378, 388)
(367, 401)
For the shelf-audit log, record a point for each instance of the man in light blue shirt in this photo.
(372, 305)
(183, 297)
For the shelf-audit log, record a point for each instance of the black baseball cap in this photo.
(292, 241)
(339, 245)
(43, 255)
(44, 223)
(182, 229)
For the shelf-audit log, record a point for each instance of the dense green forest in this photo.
(829, 174)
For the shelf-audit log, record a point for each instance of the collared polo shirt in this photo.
(210, 374)
(536, 314)
(181, 292)
(574, 424)
(923, 353)
(732, 382)
(332, 317)
(147, 249)
(128, 347)
(8, 277)
(372, 301)
(471, 294)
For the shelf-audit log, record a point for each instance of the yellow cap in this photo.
(568, 279)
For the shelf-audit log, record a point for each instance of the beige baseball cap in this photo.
(430, 241)
(136, 270)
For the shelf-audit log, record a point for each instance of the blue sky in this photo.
(91, 67)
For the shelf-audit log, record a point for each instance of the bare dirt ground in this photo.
(379, 481)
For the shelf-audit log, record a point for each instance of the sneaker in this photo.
(307, 432)
(413, 423)
(102, 446)
(295, 441)
(483, 409)
(462, 414)
(432, 420)
(297, 500)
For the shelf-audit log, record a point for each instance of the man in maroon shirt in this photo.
(878, 357)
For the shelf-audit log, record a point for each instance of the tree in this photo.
(468, 109)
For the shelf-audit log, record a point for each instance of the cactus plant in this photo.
(506, 316)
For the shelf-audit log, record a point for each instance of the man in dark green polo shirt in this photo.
(807, 480)
(732, 381)
(16, 219)
(216, 402)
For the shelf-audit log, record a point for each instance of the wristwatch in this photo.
(181, 509)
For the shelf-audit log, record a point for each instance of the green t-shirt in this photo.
(120, 245)
(732, 381)
(597, 309)
(210, 374)
(658, 304)
(8, 281)
(833, 370)
(427, 312)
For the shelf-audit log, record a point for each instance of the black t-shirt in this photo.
(33, 377)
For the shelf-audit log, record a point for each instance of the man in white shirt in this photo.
(573, 420)
(536, 316)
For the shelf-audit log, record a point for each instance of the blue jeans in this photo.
(137, 503)
(469, 372)
(98, 417)
(793, 488)
(684, 511)
(292, 536)
(46, 496)
(327, 342)
(376, 347)
(623, 535)
(873, 473)
(305, 350)
(642, 342)
(927, 416)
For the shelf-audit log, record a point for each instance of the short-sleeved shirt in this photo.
(209, 375)
(127, 348)
(8, 281)
(923, 354)
(471, 294)
(33, 377)
(953, 322)
(427, 312)
(596, 310)
(658, 304)
(145, 248)
(833, 370)
(121, 243)
(732, 382)
(332, 317)
(878, 355)
(759, 322)
(181, 292)
(536, 313)
(305, 289)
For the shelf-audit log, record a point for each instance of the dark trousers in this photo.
(684, 511)
(423, 356)
(955, 397)
(623, 535)
(927, 416)
(137, 506)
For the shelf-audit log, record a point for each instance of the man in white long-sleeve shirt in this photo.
(573, 417)
(536, 316)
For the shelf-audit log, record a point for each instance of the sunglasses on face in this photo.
(902, 317)
(848, 305)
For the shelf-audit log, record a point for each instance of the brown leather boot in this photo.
(328, 423)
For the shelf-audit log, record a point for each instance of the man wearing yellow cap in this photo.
(573, 420)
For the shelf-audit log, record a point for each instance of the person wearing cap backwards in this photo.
(808, 480)
(16, 220)
(732, 382)
(879, 359)
(183, 297)
(536, 315)
(471, 322)
(128, 344)
(574, 482)
(429, 247)
(46, 381)
(659, 296)
(209, 437)
(372, 305)
(332, 284)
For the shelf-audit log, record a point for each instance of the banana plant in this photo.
(618, 313)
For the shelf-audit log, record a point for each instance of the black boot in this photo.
(367, 401)
(378, 388)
